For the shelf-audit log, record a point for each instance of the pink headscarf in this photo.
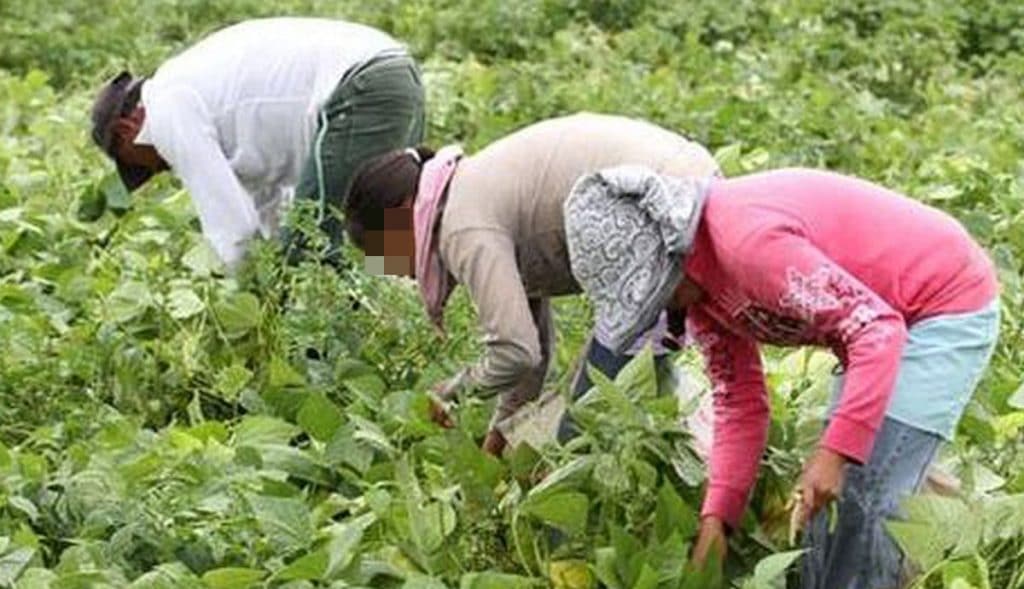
(434, 280)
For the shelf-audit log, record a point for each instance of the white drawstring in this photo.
(321, 213)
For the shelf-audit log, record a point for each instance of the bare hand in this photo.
(821, 482)
(710, 542)
(439, 415)
(494, 443)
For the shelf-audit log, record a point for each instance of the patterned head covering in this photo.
(628, 230)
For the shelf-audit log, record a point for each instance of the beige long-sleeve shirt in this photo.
(502, 234)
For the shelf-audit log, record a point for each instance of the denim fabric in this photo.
(942, 361)
(375, 109)
(609, 363)
(859, 553)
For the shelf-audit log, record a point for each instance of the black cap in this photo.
(117, 99)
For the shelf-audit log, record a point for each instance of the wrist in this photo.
(832, 456)
(713, 523)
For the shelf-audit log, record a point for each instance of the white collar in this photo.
(143, 137)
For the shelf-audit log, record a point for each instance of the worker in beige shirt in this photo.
(493, 222)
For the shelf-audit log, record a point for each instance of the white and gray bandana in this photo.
(628, 230)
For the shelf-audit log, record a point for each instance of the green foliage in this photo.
(163, 425)
(964, 543)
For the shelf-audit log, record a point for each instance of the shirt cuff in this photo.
(725, 503)
(448, 391)
(850, 438)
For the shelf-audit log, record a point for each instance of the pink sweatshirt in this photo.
(804, 257)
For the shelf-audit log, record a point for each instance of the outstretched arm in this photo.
(181, 130)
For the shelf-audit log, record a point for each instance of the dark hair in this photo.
(676, 331)
(382, 182)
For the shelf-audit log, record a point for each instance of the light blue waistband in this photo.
(942, 362)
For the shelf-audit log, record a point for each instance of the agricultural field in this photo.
(165, 426)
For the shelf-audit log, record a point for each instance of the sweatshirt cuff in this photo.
(852, 439)
(725, 503)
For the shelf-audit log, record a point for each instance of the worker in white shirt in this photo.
(261, 113)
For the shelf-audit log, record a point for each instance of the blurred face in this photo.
(686, 294)
(392, 250)
(126, 129)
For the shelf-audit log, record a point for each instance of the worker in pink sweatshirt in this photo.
(897, 290)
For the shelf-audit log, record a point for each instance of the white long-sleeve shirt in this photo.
(234, 116)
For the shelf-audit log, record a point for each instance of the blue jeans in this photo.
(609, 363)
(859, 553)
(942, 361)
